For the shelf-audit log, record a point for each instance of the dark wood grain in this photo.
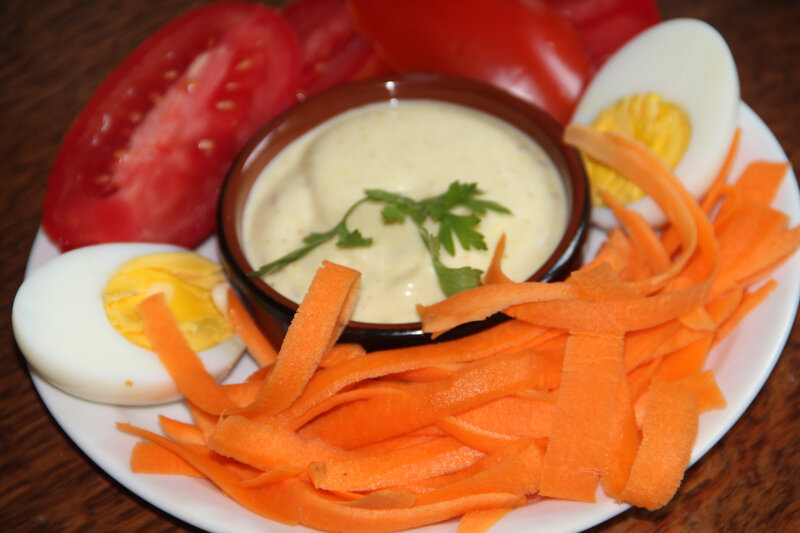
(52, 56)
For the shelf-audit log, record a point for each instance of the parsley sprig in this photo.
(452, 225)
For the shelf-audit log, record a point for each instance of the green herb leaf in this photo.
(454, 280)
(351, 239)
(462, 226)
(397, 207)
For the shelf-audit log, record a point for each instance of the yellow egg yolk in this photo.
(660, 125)
(186, 279)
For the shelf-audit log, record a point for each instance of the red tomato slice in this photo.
(146, 157)
(605, 25)
(333, 51)
(525, 47)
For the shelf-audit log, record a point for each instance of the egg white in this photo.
(61, 328)
(689, 63)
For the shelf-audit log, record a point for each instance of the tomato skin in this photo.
(146, 157)
(605, 25)
(524, 47)
(333, 51)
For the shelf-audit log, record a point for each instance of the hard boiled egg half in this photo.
(675, 88)
(75, 320)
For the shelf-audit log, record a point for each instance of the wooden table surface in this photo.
(52, 56)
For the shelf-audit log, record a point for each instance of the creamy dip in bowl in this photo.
(412, 135)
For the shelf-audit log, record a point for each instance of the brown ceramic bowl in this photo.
(274, 312)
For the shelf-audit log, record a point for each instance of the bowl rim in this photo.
(293, 122)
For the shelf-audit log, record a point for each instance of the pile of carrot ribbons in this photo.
(596, 381)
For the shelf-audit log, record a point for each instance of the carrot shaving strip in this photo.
(686, 361)
(246, 329)
(514, 416)
(721, 178)
(181, 431)
(707, 393)
(150, 458)
(384, 499)
(750, 301)
(642, 236)
(395, 468)
(379, 418)
(317, 324)
(761, 179)
(266, 447)
(623, 443)
(584, 409)
(474, 436)
(229, 481)
(180, 361)
(668, 433)
(494, 274)
(341, 353)
(341, 398)
(480, 521)
(328, 381)
(519, 474)
(273, 475)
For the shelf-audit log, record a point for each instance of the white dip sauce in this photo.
(416, 148)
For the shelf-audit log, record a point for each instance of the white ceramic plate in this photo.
(742, 364)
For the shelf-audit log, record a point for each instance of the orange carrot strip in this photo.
(427, 374)
(318, 510)
(513, 415)
(204, 421)
(767, 256)
(487, 462)
(750, 301)
(340, 353)
(244, 393)
(486, 300)
(722, 175)
(317, 324)
(670, 237)
(259, 501)
(150, 458)
(272, 476)
(480, 521)
(641, 234)
(266, 447)
(181, 431)
(584, 409)
(612, 315)
(395, 468)
(494, 274)
(520, 474)
(474, 436)
(668, 433)
(328, 381)
(419, 405)
(246, 329)
(705, 390)
(760, 180)
(637, 163)
(180, 361)
(685, 361)
(336, 400)
(384, 499)
(411, 438)
(623, 443)
(601, 283)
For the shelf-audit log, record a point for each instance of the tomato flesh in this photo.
(333, 51)
(145, 159)
(525, 46)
